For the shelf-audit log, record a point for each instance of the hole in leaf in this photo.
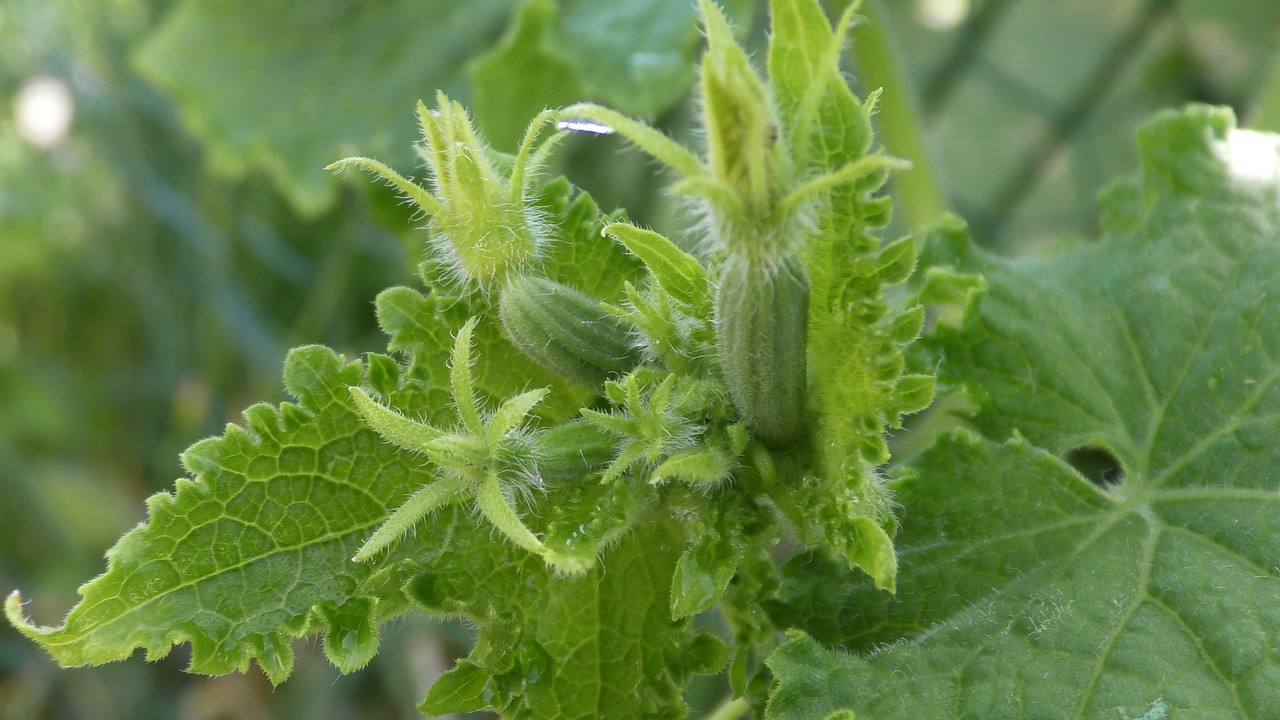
(1098, 465)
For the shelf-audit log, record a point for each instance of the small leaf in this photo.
(703, 573)
(461, 689)
(872, 550)
(896, 261)
(707, 654)
(906, 326)
(915, 393)
(679, 273)
(351, 635)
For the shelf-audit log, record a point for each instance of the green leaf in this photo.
(458, 690)
(599, 645)
(1025, 589)
(352, 637)
(710, 561)
(249, 76)
(679, 273)
(636, 56)
(255, 549)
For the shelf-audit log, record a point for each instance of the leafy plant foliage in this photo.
(1025, 589)
(509, 457)
(585, 434)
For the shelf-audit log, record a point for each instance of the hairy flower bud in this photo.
(485, 229)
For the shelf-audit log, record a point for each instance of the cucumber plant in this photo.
(586, 438)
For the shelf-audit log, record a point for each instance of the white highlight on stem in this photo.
(43, 109)
(584, 126)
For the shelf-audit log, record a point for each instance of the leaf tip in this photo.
(17, 618)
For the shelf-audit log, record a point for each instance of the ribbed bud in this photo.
(762, 315)
(566, 331)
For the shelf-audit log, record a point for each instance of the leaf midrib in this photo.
(81, 636)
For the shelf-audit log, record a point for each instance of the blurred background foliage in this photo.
(167, 231)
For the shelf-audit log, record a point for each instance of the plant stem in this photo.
(1266, 114)
(730, 710)
(899, 122)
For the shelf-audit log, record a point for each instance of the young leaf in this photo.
(710, 561)
(458, 690)
(679, 273)
(1147, 592)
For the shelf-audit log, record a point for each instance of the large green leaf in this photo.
(256, 547)
(1026, 590)
(288, 87)
(521, 77)
(636, 56)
